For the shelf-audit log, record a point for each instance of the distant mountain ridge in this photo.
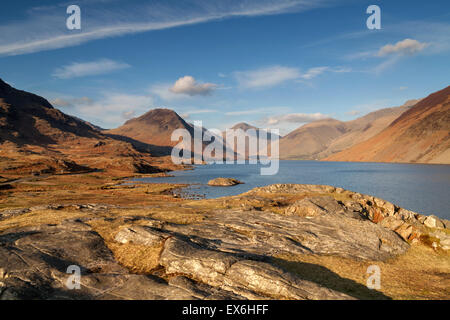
(421, 134)
(36, 136)
(320, 139)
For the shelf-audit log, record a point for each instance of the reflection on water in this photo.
(421, 188)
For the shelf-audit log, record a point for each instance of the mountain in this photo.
(35, 137)
(256, 134)
(309, 140)
(245, 127)
(320, 139)
(154, 128)
(421, 135)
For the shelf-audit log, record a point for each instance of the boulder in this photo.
(433, 222)
(224, 182)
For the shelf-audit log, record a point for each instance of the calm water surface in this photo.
(421, 188)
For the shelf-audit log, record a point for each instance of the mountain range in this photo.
(320, 139)
(420, 135)
(36, 137)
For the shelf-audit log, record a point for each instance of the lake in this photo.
(418, 187)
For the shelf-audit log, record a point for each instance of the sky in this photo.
(274, 64)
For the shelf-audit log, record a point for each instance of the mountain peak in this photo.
(159, 115)
(243, 126)
(153, 127)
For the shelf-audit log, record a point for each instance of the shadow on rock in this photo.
(329, 279)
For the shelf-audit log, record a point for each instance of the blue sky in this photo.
(276, 64)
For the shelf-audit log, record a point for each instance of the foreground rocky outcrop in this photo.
(230, 252)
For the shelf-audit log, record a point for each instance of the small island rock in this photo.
(224, 182)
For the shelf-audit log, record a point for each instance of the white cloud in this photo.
(317, 71)
(77, 70)
(189, 113)
(294, 118)
(387, 64)
(162, 90)
(113, 108)
(313, 72)
(45, 31)
(189, 86)
(353, 113)
(266, 77)
(275, 75)
(404, 47)
(69, 102)
(128, 114)
(257, 111)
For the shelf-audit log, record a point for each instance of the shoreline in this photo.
(142, 230)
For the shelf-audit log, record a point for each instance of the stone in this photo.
(433, 222)
(141, 235)
(243, 277)
(316, 206)
(224, 182)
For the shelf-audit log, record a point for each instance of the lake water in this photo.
(417, 187)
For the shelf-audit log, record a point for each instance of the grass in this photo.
(421, 273)
(136, 258)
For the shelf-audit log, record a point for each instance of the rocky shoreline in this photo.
(227, 248)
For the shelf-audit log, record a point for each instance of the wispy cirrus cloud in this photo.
(46, 30)
(188, 114)
(109, 110)
(275, 75)
(257, 111)
(294, 118)
(266, 77)
(83, 69)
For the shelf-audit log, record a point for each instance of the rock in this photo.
(445, 243)
(34, 262)
(252, 279)
(316, 206)
(433, 222)
(386, 206)
(13, 212)
(141, 235)
(406, 230)
(257, 234)
(305, 208)
(224, 182)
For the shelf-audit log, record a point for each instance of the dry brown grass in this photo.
(138, 259)
(421, 273)
(40, 217)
